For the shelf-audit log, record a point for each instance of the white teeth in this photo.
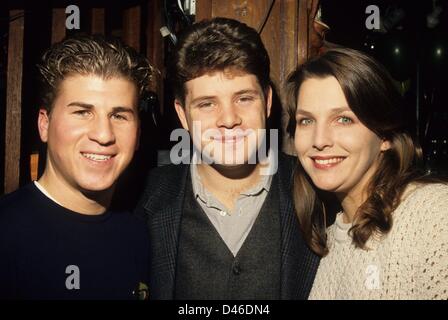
(329, 161)
(229, 138)
(96, 157)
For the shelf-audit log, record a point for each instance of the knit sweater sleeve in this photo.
(432, 204)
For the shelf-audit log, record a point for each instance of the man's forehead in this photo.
(220, 81)
(96, 91)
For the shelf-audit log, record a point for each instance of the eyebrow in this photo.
(250, 91)
(244, 91)
(91, 106)
(81, 104)
(333, 111)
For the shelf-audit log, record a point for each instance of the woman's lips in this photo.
(320, 162)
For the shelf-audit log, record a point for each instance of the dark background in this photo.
(416, 54)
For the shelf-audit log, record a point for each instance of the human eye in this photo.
(344, 120)
(205, 104)
(83, 113)
(119, 116)
(304, 121)
(246, 99)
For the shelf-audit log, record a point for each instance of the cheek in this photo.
(202, 120)
(127, 136)
(350, 141)
(364, 143)
(302, 141)
(65, 132)
(255, 117)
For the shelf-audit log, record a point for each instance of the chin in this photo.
(326, 185)
(96, 186)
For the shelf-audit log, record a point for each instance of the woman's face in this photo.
(338, 152)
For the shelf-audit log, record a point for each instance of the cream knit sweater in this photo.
(410, 262)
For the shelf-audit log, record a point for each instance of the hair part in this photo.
(91, 55)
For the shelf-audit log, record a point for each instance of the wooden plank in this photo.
(288, 61)
(34, 166)
(97, 21)
(253, 13)
(14, 101)
(250, 12)
(288, 28)
(58, 25)
(203, 9)
(271, 36)
(131, 27)
(155, 47)
(303, 31)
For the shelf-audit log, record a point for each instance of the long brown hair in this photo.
(373, 97)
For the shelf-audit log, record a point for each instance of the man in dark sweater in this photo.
(58, 239)
(222, 223)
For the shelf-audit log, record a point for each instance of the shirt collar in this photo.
(264, 184)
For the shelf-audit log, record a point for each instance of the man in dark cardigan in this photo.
(222, 224)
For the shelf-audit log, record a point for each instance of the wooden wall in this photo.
(13, 105)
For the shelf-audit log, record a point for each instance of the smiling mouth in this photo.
(324, 163)
(228, 139)
(96, 157)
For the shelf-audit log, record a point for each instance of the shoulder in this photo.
(286, 167)
(166, 174)
(429, 196)
(18, 213)
(17, 202)
(163, 186)
(129, 224)
(287, 160)
(424, 208)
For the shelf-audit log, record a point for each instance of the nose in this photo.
(101, 131)
(229, 117)
(322, 137)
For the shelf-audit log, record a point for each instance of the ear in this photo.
(385, 145)
(269, 102)
(43, 122)
(181, 114)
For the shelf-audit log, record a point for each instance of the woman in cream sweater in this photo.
(390, 239)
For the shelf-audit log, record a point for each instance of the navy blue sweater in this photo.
(50, 252)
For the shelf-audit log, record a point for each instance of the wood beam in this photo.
(14, 101)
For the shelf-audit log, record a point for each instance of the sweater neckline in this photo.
(342, 229)
(65, 213)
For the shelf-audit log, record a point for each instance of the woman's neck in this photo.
(350, 205)
(352, 199)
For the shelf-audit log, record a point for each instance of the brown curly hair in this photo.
(91, 55)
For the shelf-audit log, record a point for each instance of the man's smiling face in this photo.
(231, 108)
(91, 131)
